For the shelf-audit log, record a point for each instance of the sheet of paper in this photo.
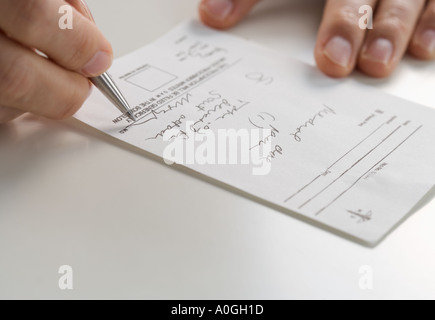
(332, 151)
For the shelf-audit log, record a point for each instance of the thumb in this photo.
(223, 14)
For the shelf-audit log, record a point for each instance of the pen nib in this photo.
(131, 115)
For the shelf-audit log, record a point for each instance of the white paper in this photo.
(334, 151)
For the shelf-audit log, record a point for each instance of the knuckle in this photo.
(347, 18)
(400, 9)
(16, 81)
(396, 19)
(393, 25)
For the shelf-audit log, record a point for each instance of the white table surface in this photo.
(145, 230)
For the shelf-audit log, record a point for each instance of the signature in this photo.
(297, 135)
(174, 124)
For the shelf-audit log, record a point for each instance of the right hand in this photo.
(56, 87)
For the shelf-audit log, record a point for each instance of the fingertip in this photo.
(98, 64)
(223, 14)
(378, 58)
(375, 70)
(422, 45)
(334, 58)
(217, 13)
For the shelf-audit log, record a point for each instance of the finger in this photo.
(8, 114)
(37, 24)
(386, 44)
(31, 83)
(340, 37)
(223, 14)
(423, 43)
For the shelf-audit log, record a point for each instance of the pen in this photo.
(106, 85)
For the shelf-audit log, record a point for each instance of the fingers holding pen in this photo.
(55, 87)
(25, 77)
(35, 23)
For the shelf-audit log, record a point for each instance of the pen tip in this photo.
(131, 115)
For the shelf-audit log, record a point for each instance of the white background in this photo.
(132, 227)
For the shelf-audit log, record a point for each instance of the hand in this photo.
(342, 46)
(55, 87)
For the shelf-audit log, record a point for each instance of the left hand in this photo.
(342, 46)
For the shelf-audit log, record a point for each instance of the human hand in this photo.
(55, 87)
(342, 46)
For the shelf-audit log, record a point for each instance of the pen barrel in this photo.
(106, 85)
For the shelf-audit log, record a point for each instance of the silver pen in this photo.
(105, 83)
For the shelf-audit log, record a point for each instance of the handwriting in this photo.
(199, 50)
(214, 95)
(274, 131)
(312, 122)
(274, 153)
(208, 113)
(260, 78)
(153, 114)
(203, 50)
(232, 111)
(174, 124)
(360, 216)
(204, 122)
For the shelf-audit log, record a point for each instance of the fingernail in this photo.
(339, 51)
(380, 50)
(98, 64)
(218, 9)
(427, 40)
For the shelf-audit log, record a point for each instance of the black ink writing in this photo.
(174, 124)
(260, 78)
(297, 135)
